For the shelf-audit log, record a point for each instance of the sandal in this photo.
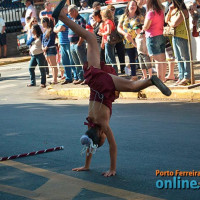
(184, 82)
(42, 85)
(57, 10)
(53, 83)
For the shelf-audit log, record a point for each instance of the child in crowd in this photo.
(143, 56)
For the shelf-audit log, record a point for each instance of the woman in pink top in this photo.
(153, 25)
(105, 29)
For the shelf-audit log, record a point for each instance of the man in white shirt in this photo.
(30, 11)
(3, 38)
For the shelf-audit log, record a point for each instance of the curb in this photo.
(14, 61)
(150, 93)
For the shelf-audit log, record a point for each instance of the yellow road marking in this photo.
(61, 186)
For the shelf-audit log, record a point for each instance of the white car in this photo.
(120, 8)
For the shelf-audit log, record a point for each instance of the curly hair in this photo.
(126, 12)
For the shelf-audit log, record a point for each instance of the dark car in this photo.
(21, 43)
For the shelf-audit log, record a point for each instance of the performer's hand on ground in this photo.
(81, 169)
(109, 173)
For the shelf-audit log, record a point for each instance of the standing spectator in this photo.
(194, 10)
(169, 50)
(78, 45)
(143, 56)
(105, 29)
(174, 18)
(30, 11)
(23, 21)
(127, 22)
(140, 4)
(96, 6)
(153, 25)
(3, 38)
(84, 5)
(97, 17)
(30, 24)
(120, 45)
(49, 47)
(37, 56)
(47, 12)
(62, 31)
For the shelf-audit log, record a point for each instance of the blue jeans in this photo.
(67, 60)
(40, 61)
(110, 55)
(181, 52)
(132, 53)
(121, 54)
(79, 56)
(156, 45)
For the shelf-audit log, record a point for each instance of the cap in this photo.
(82, 1)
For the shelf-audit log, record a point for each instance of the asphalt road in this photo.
(150, 136)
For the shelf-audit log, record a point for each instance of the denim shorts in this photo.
(51, 51)
(156, 45)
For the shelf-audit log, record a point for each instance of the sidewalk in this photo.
(11, 60)
(72, 91)
(83, 91)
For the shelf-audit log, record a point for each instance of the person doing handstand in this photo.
(103, 83)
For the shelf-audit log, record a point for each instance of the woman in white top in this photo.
(37, 56)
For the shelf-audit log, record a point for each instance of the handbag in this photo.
(115, 37)
(194, 32)
(168, 31)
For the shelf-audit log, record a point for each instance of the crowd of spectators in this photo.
(140, 29)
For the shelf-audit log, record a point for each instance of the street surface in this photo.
(150, 136)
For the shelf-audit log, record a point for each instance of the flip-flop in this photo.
(169, 79)
(160, 85)
(57, 10)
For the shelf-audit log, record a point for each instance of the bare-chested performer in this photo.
(103, 84)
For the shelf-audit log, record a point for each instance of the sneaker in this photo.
(160, 85)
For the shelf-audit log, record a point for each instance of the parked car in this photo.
(21, 44)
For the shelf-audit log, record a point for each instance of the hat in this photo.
(82, 1)
(139, 26)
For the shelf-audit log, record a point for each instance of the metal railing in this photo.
(11, 14)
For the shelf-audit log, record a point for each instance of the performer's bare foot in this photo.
(109, 173)
(78, 169)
